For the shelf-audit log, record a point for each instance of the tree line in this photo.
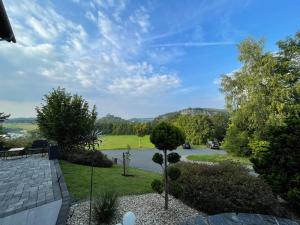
(263, 99)
(197, 128)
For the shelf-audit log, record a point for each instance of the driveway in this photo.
(142, 159)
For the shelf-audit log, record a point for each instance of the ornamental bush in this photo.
(279, 161)
(173, 157)
(158, 158)
(157, 186)
(224, 187)
(97, 158)
(174, 173)
(166, 137)
(105, 207)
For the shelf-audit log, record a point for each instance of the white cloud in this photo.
(141, 18)
(105, 52)
(91, 16)
(193, 44)
(142, 85)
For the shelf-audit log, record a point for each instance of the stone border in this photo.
(60, 192)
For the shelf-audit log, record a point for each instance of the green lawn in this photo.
(219, 158)
(78, 180)
(111, 142)
(121, 141)
(23, 126)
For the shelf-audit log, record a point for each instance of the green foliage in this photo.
(157, 186)
(175, 189)
(262, 93)
(141, 129)
(97, 158)
(65, 119)
(3, 117)
(220, 124)
(115, 125)
(279, 164)
(173, 157)
(18, 142)
(237, 141)
(173, 173)
(293, 194)
(158, 158)
(197, 128)
(167, 137)
(259, 147)
(105, 207)
(225, 188)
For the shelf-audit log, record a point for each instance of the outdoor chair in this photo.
(38, 146)
(3, 152)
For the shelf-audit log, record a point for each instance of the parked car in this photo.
(213, 144)
(186, 145)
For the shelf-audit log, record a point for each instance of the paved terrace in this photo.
(30, 191)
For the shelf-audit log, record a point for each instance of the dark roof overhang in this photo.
(6, 32)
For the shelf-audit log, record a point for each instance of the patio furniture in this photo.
(13, 150)
(3, 152)
(38, 146)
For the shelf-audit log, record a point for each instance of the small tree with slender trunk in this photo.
(141, 130)
(166, 137)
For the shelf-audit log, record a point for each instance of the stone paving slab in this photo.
(42, 215)
(239, 219)
(25, 183)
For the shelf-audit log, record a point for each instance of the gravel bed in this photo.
(148, 209)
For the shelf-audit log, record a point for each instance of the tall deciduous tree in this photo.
(263, 92)
(263, 98)
(197, 128)
(166, 137)
(66, 119)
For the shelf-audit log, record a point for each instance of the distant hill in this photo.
(111, 119)
(141, 120)
(191, 111)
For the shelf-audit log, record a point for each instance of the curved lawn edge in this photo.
(215, 158)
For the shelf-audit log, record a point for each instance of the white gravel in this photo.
(148, 209)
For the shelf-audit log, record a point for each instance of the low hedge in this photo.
(224, 187)
(88, 157)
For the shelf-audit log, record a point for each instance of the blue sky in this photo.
(132, 58)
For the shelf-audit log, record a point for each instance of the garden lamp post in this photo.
(93, 140)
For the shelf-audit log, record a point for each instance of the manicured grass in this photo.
(23, 126)
(219, 158)
(110, 142)
(78, 180)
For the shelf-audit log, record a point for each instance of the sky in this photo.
(132, 58)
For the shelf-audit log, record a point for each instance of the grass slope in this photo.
(121, 142)
(219, 158)
(78, 180)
